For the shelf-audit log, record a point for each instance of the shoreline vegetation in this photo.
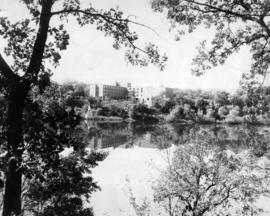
(184, 107)
(56, 116)
(245, 106)
(46, 160)
(174, 118)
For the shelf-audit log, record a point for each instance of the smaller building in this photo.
(145, 94)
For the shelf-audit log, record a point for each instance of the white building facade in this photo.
(108, 91)
(145, 95)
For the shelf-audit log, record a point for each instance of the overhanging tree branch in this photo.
(103, 16)
(262, 23)
(219, 9)
(111, 20)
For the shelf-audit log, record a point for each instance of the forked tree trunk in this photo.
(12, 196)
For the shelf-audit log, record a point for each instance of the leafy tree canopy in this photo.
(34, 45)
(25, 38)
(203, 179)
(237, 23)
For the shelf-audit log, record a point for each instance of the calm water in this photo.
(161, 136)
(137, 153)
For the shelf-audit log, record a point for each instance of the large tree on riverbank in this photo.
(35, 45)
(237, 23)
(205, 178)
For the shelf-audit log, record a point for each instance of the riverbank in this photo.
(162, 120)
(108, 119)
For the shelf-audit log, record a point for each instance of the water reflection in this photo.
(206, 163)
(107, 135)
(203, 178)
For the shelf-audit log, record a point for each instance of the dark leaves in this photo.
(61, 192)
(20, 40)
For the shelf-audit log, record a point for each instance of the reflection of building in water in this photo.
(105, 141)
(95, 143)
(105, 135)
(146, 141)
(235, 138)
(113, 141)
(110, 138)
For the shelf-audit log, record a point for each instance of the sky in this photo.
(90, 58)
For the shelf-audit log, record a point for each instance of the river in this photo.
(137, 154)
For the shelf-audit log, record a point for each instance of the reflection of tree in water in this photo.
(182, 130)
(236, 137)
(204, 179)
(254, 138)
(139, 133)
(139, 129)
(112, 126)
(164, 136)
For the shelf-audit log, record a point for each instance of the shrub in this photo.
(168, 106)
(223, 111)
(234, 116)
(211, 115)
(141, 112)
(176, 114)
(112, 110)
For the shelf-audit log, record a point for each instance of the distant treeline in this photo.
(246, 105)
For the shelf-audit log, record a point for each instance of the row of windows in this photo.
(114, 92)
(114, 87)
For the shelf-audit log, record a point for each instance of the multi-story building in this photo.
(145, 94)
(141, 94)
(108, 91)
(131, 92)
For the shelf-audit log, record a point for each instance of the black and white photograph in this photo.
(134, 108)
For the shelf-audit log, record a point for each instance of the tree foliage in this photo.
(54, 184)
(141, 112)
(34, 45)
(251, 102)
(237, 23)
(202, 179)
(21, 36)
(62, 189)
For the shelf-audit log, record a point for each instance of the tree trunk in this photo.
(17, 97)
(12, 197)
